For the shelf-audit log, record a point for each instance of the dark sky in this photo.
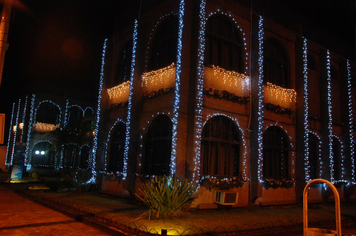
(55, 46)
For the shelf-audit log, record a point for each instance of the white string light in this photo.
(29, 132)
(350, 104)
(306, 111)
(260, 99)
(177, 90)
(8, 155)
(95, 141)
(128, 123)
(330, 128)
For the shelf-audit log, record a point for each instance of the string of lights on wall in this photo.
(177, 89)
(107, 144)
(8, 156)
(260, 99)
(23, 119)
(199, 92)
(320, 161)
(29, 132)
(15, 132)
(306, 111)
(282, 94)
(119, 92)
(330, 128)
(95, 141)
(128, 122)
(53, 103)
(351, 118)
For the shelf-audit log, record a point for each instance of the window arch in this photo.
(164, 45)
(158, 145)
(314, 166)
(276, 63)
(43, 154)
(123, 70)
(75, 114)
(115, 162)
(275, 154)
(223, 44)
(48, 112)
(336, 156)
(221, 145)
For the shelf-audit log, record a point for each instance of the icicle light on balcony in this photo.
(231, 81)
(279, 96)
(45, 127)
(119, 93)
(159, 79)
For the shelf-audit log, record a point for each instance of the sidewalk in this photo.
(21, 216)
(122, 214)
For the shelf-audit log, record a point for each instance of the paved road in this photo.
(20, 216)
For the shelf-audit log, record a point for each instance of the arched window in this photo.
(115, 162)
(48, 113)
(43, 154)
(75, 114)
(221, 148)
(313, 156)
(123, 69)
(158, 144)
(336, 156)
(276, 63)
(164, 45)
(223, 44)
(275, 154)
(70, 155)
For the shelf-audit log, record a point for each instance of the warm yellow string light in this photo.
(232, 78)
(45, 127)
(282, 93)
(120, 92)
(159, 77)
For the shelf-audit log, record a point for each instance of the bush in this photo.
(78, 178)
(167, 196)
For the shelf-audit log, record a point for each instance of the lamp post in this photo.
(4, 31)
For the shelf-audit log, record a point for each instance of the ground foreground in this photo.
(126, 215)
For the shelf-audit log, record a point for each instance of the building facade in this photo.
(213, 91)
(34, 118)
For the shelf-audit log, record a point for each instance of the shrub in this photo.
(78, 178)
(167, 196)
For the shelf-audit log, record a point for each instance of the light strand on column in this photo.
(23, 119)
(351, 124)
(177, 90)
(95, 141)
(29, 132)
(8, 155)
(129, 105)
(306, 111)
(199, 93)
(15, 131)
(330, 128)
(260, 99)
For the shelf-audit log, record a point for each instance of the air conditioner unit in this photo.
(225, 197)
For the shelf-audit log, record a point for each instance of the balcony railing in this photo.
(44, 127)
(280, 96)
(217, 78)
(158, 80)
(120, 93)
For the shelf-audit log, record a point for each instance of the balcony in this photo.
(44, 127)
(229, 85)
(279, 96)
(158, 82)
(119, 94)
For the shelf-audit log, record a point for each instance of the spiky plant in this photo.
(167, 196)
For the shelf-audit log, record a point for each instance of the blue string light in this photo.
(8, 155)
(29, 132)
(129, 105)
(351, 118)
(260, 99)
(95, 142)
(306, 111)
(177, 90)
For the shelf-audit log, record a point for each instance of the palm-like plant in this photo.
(167, 196)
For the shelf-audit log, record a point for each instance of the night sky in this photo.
(55, 45)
